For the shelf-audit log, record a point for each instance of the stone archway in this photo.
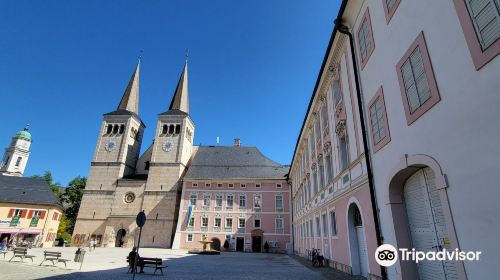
(408, 167)
(120, 237)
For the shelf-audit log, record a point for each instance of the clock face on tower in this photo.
(110, 145)
(168, 146)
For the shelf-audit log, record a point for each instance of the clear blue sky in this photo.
(252, 69)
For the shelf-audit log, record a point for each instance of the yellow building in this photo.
(29, 211)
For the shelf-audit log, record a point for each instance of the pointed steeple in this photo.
(130, 99)
(180, 101)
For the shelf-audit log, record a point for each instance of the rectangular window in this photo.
(321, 175)
(256, 223)
(337, 94)
(318, 228)
(219, 185)
(278, 186)
(343, 156)
(257, 185)
(230, 185)
(325, 225)
(279, 202)
(243, 201)
(204, 222)
(206, 200)
(229, 222)
(207, 185)
(418, 85)
(243, 185)
(390, 7)
(241, 222)
(328, 167)
(218, 200)
(324, 116)
(311, 228)
(480, 21)
(217, 222)
(365, 39)
(192, 199)
(279, 225)
(195, 184)
(485, 15)
(229, 200)
(189, 237)
(333, 223)
(378, 121)
(191, 222)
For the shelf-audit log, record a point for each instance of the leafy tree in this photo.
(72, 198)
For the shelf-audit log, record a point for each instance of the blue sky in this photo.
(252, 69)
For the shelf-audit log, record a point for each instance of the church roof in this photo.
(233, 162)
(26, 190)
(129, 104)
(180, 100)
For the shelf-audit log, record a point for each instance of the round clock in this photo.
(168, 146)
(110, 145)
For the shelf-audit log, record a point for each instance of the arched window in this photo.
(110, 128)
(171, 129)
(115, 129)
(164, 129)
(122, 128)
(18, 161)
(178, 129)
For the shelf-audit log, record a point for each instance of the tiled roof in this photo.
(26, 190)
(217, 162)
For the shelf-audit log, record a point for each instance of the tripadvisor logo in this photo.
(387, 255)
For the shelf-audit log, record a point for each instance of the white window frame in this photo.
(215, 222)
(188, 237)
(244, 222)
(203, 222)
(226, 222)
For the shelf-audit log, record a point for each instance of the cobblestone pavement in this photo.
(327, 272)
(110, 263)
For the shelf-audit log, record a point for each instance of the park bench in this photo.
(22, 253)
(53, 257)
(157, 263)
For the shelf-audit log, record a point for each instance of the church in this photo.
(180, 186)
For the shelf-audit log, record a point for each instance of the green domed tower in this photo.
(16, 155)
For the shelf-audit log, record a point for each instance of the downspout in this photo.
(345, 30)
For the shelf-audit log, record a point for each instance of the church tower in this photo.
(172, 150)
(114, 160)
(16, 155)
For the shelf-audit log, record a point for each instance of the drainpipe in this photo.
(345, 30)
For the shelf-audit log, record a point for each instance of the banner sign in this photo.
(15, 221)
(34, 221)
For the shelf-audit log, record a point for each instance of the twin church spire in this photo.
(130, 99)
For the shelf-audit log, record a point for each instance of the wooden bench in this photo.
(22, 252)
(157, 263)
(53, 257)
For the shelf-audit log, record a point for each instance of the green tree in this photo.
(72, 198)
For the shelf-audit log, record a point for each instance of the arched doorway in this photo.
(215, 245)
(357, 241)
(426, 223)
(120, 237)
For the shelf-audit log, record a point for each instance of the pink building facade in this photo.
(248, 210)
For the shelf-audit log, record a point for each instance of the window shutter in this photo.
(11, 213)
(486, 17)
(30, 214)
(23, 213)
(42, 215)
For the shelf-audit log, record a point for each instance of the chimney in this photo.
(237, 142)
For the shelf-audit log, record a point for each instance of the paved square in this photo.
(110, 263)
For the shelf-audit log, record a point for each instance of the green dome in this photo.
(23, 134)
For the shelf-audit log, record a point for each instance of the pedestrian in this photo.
(93, 244)
(131, 260)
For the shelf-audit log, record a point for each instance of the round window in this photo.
(129, 197)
